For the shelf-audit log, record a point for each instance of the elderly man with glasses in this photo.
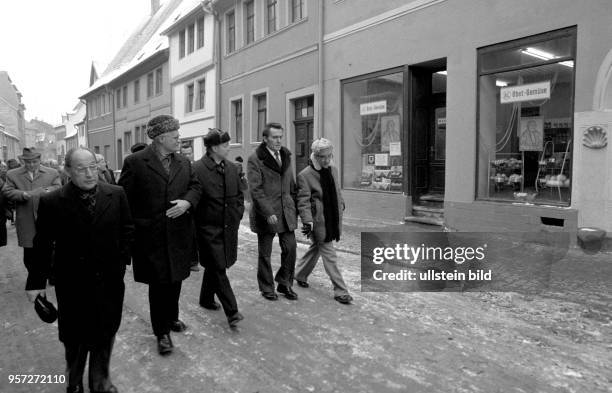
(162, 190)
(87, 226)
(320, 205)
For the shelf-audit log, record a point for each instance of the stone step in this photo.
(425, 220)
(428, 211)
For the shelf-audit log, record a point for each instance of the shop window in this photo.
(372, 121)
(525, 125)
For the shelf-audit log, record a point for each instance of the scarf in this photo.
(330, 205)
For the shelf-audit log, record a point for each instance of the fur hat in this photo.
(161, 124)
(216, 137)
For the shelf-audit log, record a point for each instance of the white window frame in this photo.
(230, 120)
(253, 112)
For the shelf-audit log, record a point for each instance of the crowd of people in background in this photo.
(167, 213)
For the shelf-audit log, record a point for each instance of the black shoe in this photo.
(270, 295)
(112, 389)
(302, 284)
(194, 268)
(164, 344)
(234, 319)
(211, 306)
(75, 389)
(178, 326)
(288, 292)
(344, 299)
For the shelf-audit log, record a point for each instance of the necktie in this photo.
(278, 160)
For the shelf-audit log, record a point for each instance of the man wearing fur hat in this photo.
(217, 219)
(162, 189)
(273, 211)
(24, 186)
(320, 204)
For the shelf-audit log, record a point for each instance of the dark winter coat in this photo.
(3, 214)
(273, 191)
(89, 262)
(163, 247)
(218, 213)
(310, 201)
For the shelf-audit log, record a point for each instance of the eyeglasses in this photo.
(83, 170)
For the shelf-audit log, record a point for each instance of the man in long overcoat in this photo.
(4, 212)
(273, 211)
(89, 227)
(162, 189)
(24, 186)
(218, 218)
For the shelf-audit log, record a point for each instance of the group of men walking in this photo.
(88, 230)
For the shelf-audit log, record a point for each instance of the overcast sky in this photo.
(47, 47)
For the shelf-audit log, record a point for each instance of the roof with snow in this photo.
(143, 43)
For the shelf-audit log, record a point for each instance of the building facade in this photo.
(484, 118)
(269, 72)
(193, 81)
(11, 118)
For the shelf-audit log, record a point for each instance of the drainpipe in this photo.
(209, 7)
(320, 70)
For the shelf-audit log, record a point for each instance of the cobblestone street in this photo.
(557, 341)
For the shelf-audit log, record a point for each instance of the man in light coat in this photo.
(320, 204)
(273, 210)
(24, 186)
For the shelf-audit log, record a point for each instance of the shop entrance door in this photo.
(428, 132)
(304, 124)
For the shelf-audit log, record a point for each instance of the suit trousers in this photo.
(284, 275)
(164, 306)
(37, 277)
(326, 251)
(99, 364)
(216, 282)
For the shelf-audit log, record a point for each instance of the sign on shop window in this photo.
(372, 108)
(530, 92)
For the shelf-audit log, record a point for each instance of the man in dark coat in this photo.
(273, 211)
(218, 218)
(4, 214)
(162, 189)
(89, 227)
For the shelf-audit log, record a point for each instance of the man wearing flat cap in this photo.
(24, 186)
(218, 218)
(162, 191)
(321, 205)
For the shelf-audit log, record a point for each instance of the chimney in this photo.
(154, 6)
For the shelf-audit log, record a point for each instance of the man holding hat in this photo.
(87, 226)
(318, 187)
(162, 189)
(218, 218)
(24, 186)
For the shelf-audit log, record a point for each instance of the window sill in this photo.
(524, 203)
(372, 191)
